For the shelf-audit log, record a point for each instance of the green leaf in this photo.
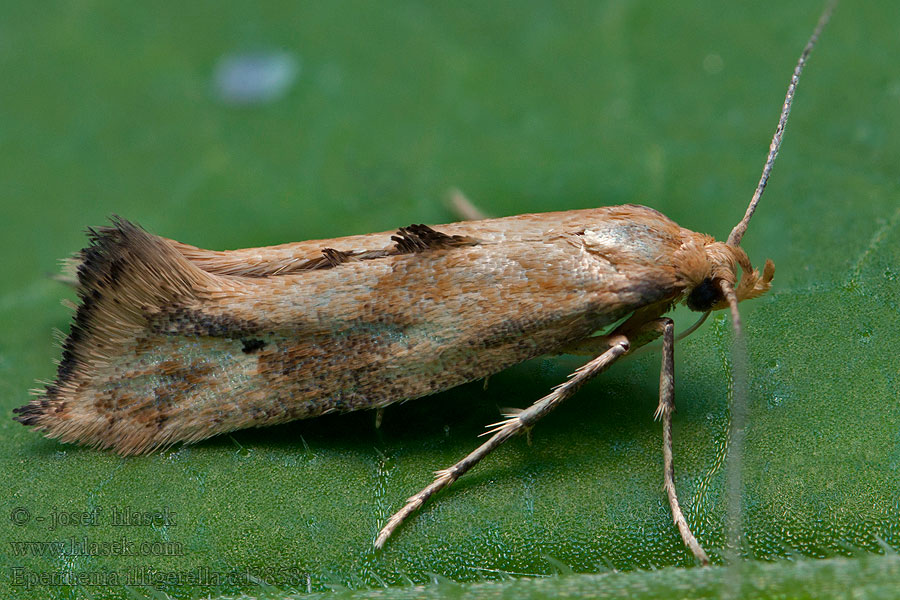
(111, 108)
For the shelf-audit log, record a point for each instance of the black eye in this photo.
(704, 296)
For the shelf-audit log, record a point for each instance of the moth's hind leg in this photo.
(618, 346)
(463, 208)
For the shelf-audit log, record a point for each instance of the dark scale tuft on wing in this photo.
(418, 238)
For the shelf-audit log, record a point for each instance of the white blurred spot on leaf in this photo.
(713, 64)
(254, 77)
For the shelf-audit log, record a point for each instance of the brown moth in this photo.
(172, 343)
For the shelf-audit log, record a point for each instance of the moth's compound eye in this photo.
(706, 295)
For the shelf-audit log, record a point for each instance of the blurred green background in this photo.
(526, 106)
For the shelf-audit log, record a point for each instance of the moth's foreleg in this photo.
(664, 411)
(506, 429)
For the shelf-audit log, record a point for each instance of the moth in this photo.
(173, 343)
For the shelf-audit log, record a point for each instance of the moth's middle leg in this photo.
(639, 335)
(522, 420)
(615, 347)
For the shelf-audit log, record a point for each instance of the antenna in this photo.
(740, 359)
(734, 239)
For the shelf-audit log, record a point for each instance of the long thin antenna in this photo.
(734, 479)
(734, 239)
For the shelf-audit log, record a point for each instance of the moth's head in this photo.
(705, 264)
